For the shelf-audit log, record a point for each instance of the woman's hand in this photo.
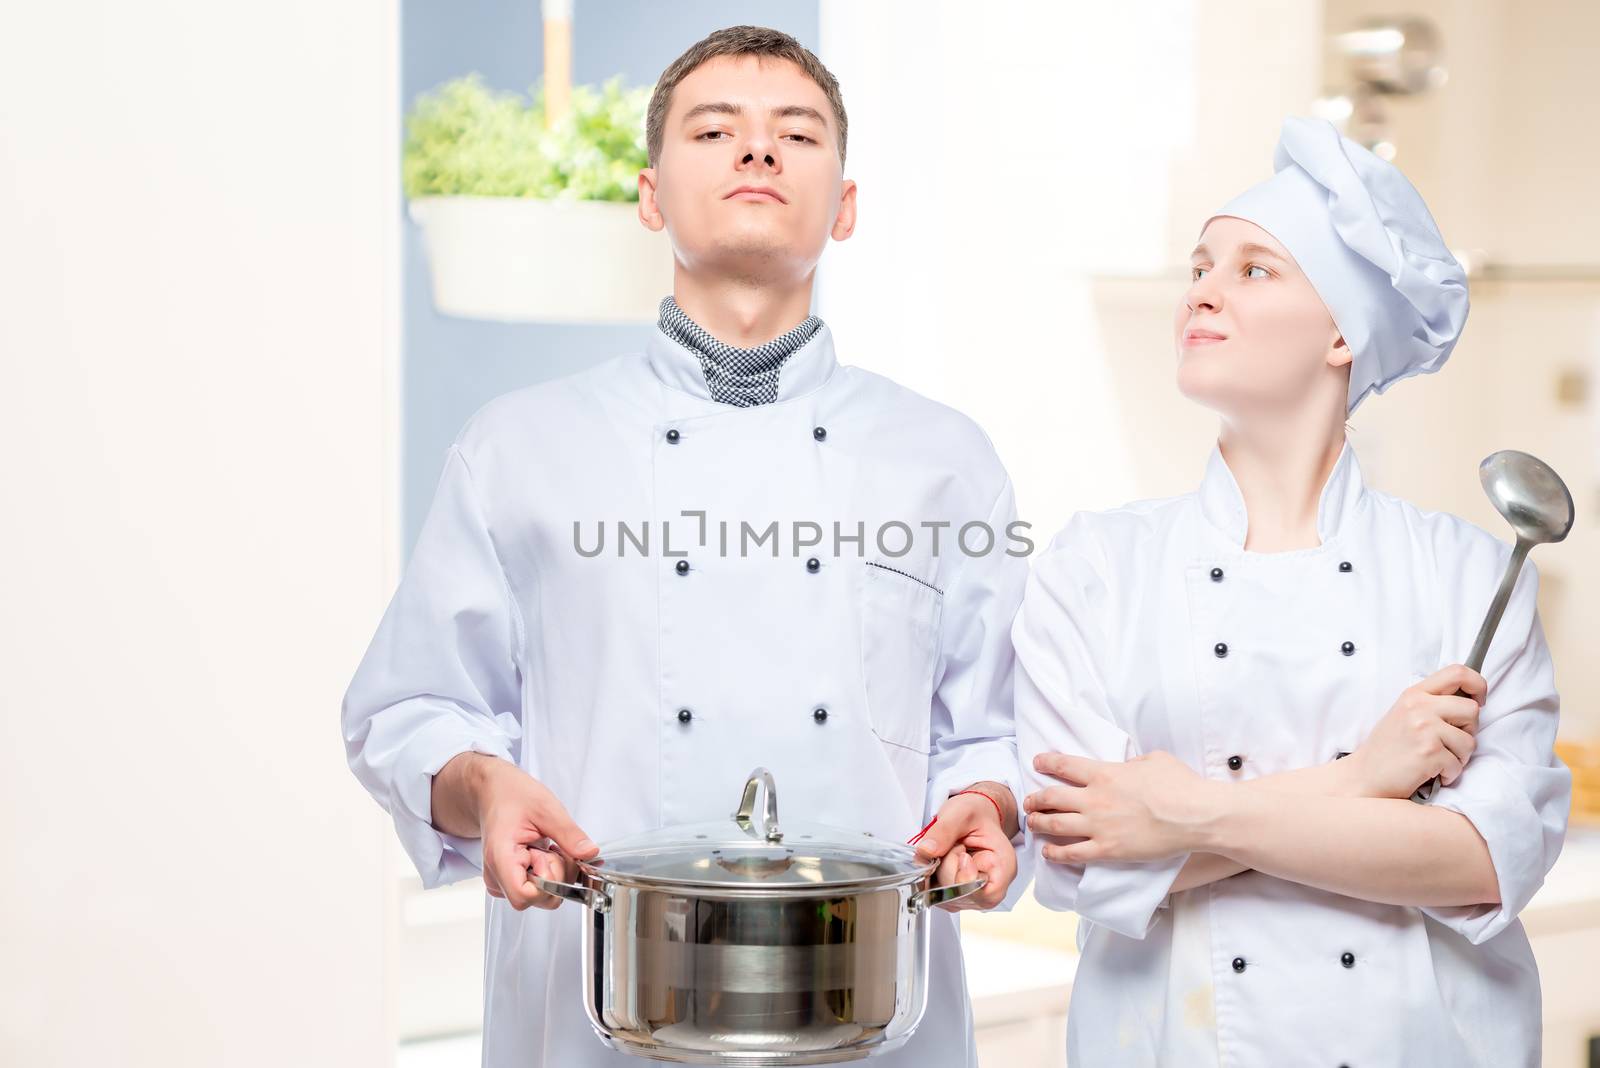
(1430, 731)
(1147, 808)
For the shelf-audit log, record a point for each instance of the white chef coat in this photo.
(1150, 627)
(642, 696)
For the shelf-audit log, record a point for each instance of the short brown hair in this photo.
(739, 41)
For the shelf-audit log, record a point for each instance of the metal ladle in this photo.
(1539, 508)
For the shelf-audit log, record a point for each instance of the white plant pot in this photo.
(516, 259)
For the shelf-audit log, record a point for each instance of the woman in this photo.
(1191, 671)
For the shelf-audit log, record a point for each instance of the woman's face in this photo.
(1252, 335)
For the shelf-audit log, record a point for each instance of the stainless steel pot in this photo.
(743, 943)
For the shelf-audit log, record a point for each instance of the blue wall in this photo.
(452, 366)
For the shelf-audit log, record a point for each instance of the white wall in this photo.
(197, 220)
(1010, 156)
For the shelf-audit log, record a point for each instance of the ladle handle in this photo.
(1480, 645)
(1502, 597)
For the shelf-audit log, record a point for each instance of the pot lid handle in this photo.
(761, 778)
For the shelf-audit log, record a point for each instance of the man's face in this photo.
(756, 122)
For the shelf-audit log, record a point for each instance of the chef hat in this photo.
(1364, 238)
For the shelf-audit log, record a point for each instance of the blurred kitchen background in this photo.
(236, 347)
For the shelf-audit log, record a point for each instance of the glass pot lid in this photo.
(752, 850)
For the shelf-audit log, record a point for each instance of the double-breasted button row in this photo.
(674, 435)
(1220, 649)
(1346, 958)
(813, 565)
(1236, 762)
(1217, 572)
(818, 714)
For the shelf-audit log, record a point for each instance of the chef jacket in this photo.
(643, 682)
(1150, 627)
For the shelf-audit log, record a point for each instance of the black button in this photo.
(1221, 649)
(673, 436)
(1345, 565)
(684, 715)
(819, 432)
(1216, 574)
(683, 567)
(1348, 648)
(813, 564)
(820, 715)
(1235, 763)
(1238, 964)
(1348, 959)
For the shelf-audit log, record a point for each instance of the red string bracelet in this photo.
(992, 801)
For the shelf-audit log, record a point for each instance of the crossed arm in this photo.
(1347, 827)
(1383, 849)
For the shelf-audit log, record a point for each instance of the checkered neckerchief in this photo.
(736, 376)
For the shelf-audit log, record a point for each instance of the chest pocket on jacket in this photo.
(900, 618)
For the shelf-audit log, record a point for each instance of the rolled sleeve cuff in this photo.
(1124, 897)
(990, 762)
(1511, 827)
(993, 762)
(439, 858)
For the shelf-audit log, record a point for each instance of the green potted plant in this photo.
(534, 217)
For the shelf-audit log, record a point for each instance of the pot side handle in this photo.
(940, 895)
(583, 895)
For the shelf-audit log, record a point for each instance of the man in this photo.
(810, 589)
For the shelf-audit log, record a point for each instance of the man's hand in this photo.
(969, 840)
(1148, 808)
(516, 816)
(1429, 731)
